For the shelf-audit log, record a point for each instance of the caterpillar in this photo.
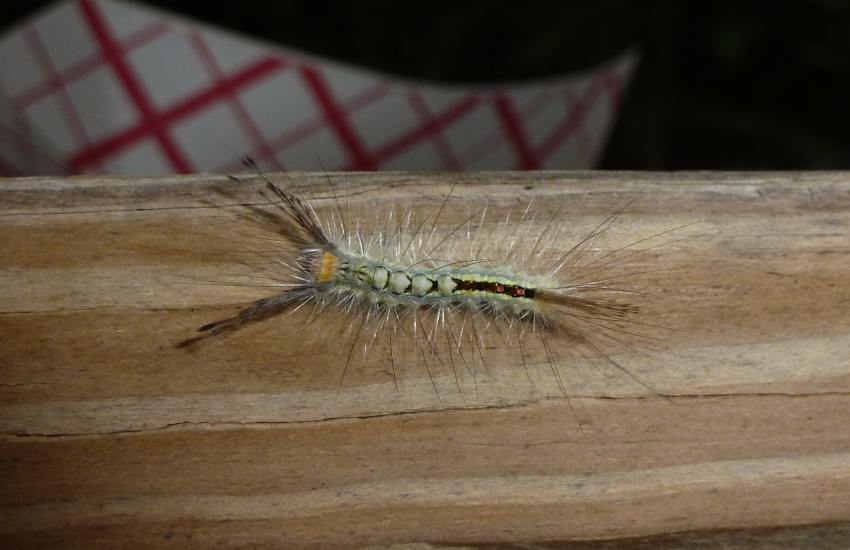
(454, 302)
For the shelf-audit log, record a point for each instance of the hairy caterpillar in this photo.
(453, 303)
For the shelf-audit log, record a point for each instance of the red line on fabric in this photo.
(20, 133)
(575, 118)
(92, 63)
(336, 116)
(365, 98)
(614, 83)
(263, 148)
(512, 126)
(436, 123)
(150, 122)
(444, 151)
(610, 82)
(144, 35)
(298, 133)
(194, 103)
(313, 125)
(56, 85)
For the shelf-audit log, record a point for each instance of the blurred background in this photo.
(723, 85)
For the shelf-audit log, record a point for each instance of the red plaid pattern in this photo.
(98, 86)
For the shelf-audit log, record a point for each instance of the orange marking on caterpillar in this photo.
(328, 267)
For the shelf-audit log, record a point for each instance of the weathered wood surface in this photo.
(112, 436)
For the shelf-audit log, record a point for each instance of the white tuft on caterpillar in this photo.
(453, 303)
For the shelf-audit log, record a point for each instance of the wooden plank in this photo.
(735, 417)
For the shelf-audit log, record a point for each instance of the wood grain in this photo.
(113, 436)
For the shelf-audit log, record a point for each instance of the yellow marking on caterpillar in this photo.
(328, 267)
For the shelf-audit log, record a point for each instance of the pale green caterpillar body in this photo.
(440, 290)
